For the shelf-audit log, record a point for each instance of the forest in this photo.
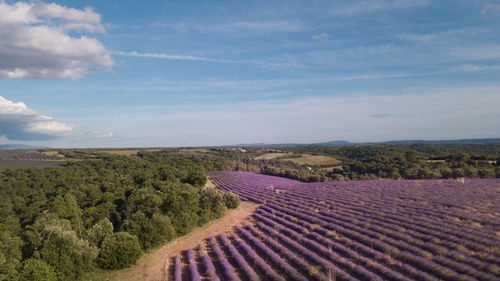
(103, 211)
(418, 161)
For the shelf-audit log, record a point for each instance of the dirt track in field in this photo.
(153, 267)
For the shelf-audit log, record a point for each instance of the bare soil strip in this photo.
(155, 266)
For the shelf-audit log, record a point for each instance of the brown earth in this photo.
(271, 155)
(308, 159)
(154, 266)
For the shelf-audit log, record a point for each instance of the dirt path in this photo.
(153, 266)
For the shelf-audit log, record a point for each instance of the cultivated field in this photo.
(358, 230)
(269, 156)
(308, 159)
(15, 160)
(127, 152)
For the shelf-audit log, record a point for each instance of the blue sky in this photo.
(194, 73)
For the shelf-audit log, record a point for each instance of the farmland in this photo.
(307, 159)
(357, 230)
(28, 159)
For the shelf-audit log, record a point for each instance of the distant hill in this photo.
(347, 143)
(461, 141)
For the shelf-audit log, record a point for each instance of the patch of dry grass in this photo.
(271, 155)
(127, 152)
(308, 159)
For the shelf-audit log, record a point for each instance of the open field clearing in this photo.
(331, 168)
(152, 267)
(194, 150)
(128, 152)
(15, 160)
(357, 230)
(13, 164)
(269, 156)
(308, 159)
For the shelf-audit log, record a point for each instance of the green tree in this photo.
(119, 251)
(99, 232)
(10, 255)
(231, 200)
(37, 270)
(68, 254)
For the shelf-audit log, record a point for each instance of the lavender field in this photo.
(15, 160)
(357, 230)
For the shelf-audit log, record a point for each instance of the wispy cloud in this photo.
(169, 56)
(491, 8)
(371, 6)
(321, 36)
(235, 27)
(266, 64)
(475, 68)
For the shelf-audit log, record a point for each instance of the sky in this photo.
(204, 73)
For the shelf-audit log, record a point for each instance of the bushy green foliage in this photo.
(151, 232)
(119, 251)
(99, 232)
(64, 215)
(211, 205)
(37, 270)
(10, 255)
(68, 254)
(231, 200)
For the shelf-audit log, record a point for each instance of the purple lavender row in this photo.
(376, 210)
(399, 241)
(439, 251)
(207, 264)
(226, 266)
(241, 262)
(409, 236)
(327, 267)
(291, 272)
(317, 248)
(257, 261)
(293, 257)
(369, 263)
(348, 200)
(193, 268)
(177, 269)
(363, 249)
(418, 261)
(424, 233)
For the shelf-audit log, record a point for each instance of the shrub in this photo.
(37, 270)
(231, 200)
(119, 250)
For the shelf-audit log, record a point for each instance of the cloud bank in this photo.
(18, 122)
(35, 42)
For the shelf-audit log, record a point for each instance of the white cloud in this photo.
(18, 122)
(371, 6)
(35, 44)
(271, 65)
(321, 36)
(236, 27)
(491, 8)
(475, 68)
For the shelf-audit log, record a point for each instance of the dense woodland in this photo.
(419, 161)
(103, 211)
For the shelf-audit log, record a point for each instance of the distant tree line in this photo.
(426, 161)
(59, 223)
